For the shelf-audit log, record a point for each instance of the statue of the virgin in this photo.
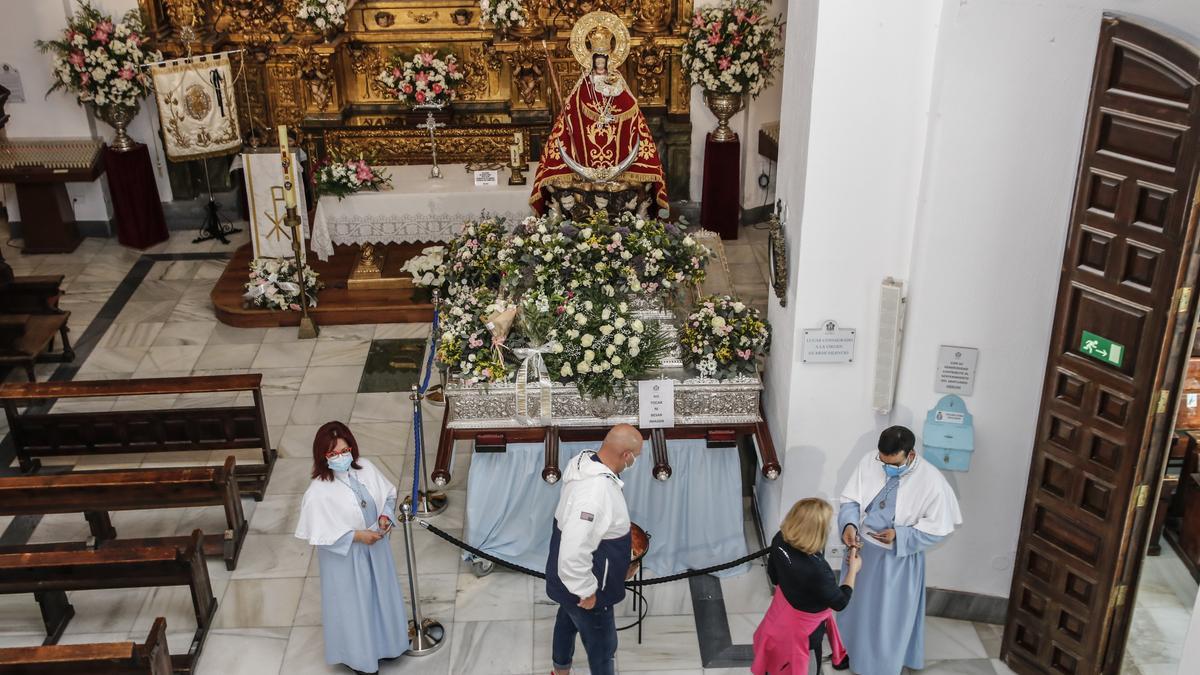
(600, 144)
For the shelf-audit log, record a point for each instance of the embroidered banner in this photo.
(196, 107)
(264, 190)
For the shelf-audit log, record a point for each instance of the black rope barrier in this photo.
(628, 584)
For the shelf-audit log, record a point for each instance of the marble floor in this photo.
(144, 314)
(1162, 612)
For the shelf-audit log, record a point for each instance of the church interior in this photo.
(485, 235)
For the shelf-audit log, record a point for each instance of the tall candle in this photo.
(514, 156)
(289, 190)
(520, 141)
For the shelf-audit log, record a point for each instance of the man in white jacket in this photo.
(590, 551)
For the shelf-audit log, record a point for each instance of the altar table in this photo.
(694, 519)
(416, 208)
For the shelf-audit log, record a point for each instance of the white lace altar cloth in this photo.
(416, 208)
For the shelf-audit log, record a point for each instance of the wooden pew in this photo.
(39, 434)
(108, 658)
(95, 493)
(49, 571)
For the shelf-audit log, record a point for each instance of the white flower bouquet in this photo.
(595, 342)
(424, 79)
(503, 14)
(464, 343)
(323, 15)
(273, 284)
(724, 337)
(478, 257)
(427, 269)
(100, 61)
(664, 257)
(733, 48)
(344, 178)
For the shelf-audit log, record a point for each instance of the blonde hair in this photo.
(806, 526)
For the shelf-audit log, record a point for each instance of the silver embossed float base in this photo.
(697, 401)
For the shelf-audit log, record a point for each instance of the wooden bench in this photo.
(26, 339)
(106, 658)
(49, 571)
(37, 434)
(95, 493)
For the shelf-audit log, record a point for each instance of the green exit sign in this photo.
(1102, 349)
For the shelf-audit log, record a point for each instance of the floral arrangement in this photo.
(322, 15)
(273, 284)
(733, 48)
(503, 14)
(424, 79)
(723, 337)
(479, 257)
(594, 342)
(465, 344)
(574, 284)
(427, 269)
(342, 178)
(664, 256)
(99, 60)
(631, 254)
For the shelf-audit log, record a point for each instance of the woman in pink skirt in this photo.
(806, 594)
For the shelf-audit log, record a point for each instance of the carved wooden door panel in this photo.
(1120, 328)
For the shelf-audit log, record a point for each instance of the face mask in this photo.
(895, 471)
(631, 463)
(341, 462)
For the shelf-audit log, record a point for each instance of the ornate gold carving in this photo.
(316, 69)
(285, 93)
(411, 146)
(680, 101)
(651, 16)
(650, 62)
(461, 17)
(422, 17)
(478, 65)
(185, 13)
(528, 66)
(572, 10)
(385, 19)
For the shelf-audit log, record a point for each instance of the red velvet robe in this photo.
(598, 146)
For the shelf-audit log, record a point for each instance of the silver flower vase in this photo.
(119, 117)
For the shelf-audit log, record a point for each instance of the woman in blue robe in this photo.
(894, 507)
(347, 513)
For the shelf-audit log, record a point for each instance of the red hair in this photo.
(324, 441)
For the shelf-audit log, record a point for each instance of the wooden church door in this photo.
(1121, 329)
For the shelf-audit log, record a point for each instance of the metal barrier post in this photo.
(428, 503)
(425, 636)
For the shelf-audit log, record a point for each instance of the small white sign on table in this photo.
(487, 177)
(656, 404)
(828, 343)
(956, 370)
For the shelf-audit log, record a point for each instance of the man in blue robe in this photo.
(894, 507)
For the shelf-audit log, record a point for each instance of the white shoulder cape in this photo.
(329, 509)
(924, 499)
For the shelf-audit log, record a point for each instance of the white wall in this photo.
(57, 115)
(943, 143)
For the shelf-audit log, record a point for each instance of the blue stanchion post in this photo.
(425, 503)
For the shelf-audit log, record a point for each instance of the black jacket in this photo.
(807, 581)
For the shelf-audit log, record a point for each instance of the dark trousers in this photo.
(597, 628)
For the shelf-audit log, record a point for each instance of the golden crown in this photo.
(600, 40)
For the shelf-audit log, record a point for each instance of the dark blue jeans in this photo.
(597, 628)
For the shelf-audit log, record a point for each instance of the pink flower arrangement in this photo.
(424, 78)
(731, 50)
(99, 60)
(344, 178)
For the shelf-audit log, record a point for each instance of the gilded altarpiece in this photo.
(323, 85)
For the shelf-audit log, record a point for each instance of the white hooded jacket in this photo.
(591, 508)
